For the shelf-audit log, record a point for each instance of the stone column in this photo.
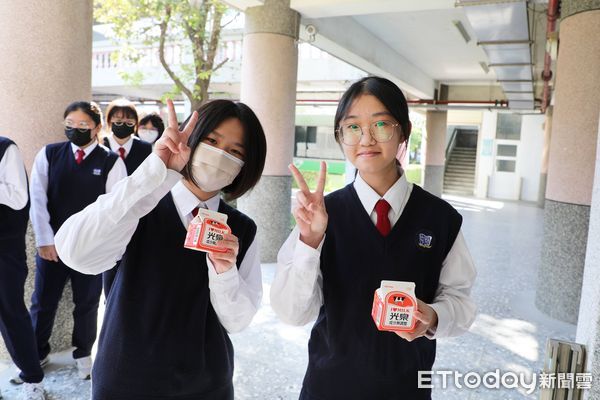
(46, 50)
(269, 75)
(545, 157)
(435, 153)
(572, 159)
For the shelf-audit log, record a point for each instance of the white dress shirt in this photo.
(114, 145)
(13, 179)
(38, 213)
(297, 290)
(92, 240)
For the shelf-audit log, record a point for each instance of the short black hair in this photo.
(124, 106)
(210, 116)
(385, 91)
(89, 107)
(156, 122)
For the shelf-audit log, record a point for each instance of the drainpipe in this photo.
(547, 73)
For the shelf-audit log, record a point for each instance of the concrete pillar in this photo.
(545, 157)
(269, 75)
(435, 153)
(46, 50)
(571, 163)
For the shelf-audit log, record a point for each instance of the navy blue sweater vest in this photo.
(348, 357)
(138, 153)
(72, 187)
(161, 337)
(13, 223)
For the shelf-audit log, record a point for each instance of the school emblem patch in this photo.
(425, 240)
(97, 171)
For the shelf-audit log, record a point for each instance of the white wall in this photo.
(524, 182)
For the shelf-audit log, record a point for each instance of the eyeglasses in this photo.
(129, 123)
(82, 126)
(380, 131)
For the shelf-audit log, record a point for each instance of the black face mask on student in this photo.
(79, 137)
(122, 131)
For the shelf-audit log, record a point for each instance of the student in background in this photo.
(65, 178)
(15, 323)
(122, 121)
(380, 227)
(151, 128)
(165, 331)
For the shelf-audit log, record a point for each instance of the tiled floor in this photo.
(509, 333)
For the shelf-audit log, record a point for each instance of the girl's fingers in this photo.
(299, 178)
(300, 214)
(190, 125)
(301, 198)
(172, 115)
(174, 148)
(322, 178)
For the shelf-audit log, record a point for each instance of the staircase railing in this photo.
(451, 143)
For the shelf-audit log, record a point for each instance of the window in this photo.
(506, 165)
(508, 127)
(507, 150)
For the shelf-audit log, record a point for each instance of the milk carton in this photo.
(205, 230)
(394, 305)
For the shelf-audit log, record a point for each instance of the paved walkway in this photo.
(509, 333)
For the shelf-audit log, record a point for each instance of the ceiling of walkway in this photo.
(419, 44)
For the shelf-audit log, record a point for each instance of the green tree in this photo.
(195, 25)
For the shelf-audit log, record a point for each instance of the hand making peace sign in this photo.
(310, 214)
(172, 146)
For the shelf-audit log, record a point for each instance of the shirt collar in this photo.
(114, 146)
(87, 150)
(396, 195)
(186, 201)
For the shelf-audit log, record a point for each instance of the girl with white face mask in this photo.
(151, 128)
(165, 332)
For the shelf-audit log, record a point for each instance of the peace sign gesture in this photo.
(310, 214)
(172, 146)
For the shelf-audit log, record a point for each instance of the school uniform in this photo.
(15, 323)
(165, 330)
(60, 187)
(348, 357)
(133, 153)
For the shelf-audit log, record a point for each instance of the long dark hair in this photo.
(210, 116)
(385, 91)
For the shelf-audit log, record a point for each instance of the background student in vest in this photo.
(122, 121)
(345, 244)
(15, 323)
(165, 330)
(66, 177)
(151, 128)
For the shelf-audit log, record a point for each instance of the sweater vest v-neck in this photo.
(139, 151)
(161, 337)
(72, 186)
(13, 223)
(348, 357)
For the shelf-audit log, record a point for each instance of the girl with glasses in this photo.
(380, 227)
(170, 311)
(65, 178)
(122, 121)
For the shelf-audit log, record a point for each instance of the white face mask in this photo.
(213, 168)
(148, 135)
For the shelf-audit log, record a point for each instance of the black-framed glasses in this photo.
(380, 131)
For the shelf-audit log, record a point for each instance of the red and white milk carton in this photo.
(205, 230)
(394, 306)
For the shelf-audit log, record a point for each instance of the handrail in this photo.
(451, 143)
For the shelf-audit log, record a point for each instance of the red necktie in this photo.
(122, 153)
(195, 212)
(79, 156)
(382, 208)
